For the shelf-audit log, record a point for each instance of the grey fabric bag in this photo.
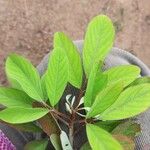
(115, 58)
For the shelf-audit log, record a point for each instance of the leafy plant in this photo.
(76, 92)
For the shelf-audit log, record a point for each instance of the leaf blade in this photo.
(17, 115)
(124, 73)
(109, 126)
(36, 145)
(141, 80)
(27, 127)
(99, 139)
(21, 71)
(10, 97)
(105, 99)
(96, 82)
(131, 102)
(55, 140)
(57, 75)
(75, 66)
(98, 41)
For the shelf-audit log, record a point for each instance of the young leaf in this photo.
(105, 99)
(98, 41)
(124, 73)
(55, 140)
(14, 98)
(131, 102)
(36, 145)
(96, 82)
(99, 139)
(75, 65)
(17, 115)
(57, 75)
(25, 74)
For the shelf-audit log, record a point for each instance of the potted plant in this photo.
(75, 99)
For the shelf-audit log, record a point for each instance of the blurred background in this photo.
(27, 26)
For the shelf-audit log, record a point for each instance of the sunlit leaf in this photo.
(100, 139)
(105, 99)
(98, 41)
(10, 97)
(124, 73)
(131, 102)
(57, 75)
(17, 115)
(21, 71)
(75, 66)
(96, 82)
(43, 84)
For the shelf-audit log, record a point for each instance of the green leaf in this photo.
(43, 84)
(124, 73)
(14, 83)
(14, 98)
(17, 115)
(141, 80)
(36, 145)
(99, 139)
(131, 102)
(98, 41)
(57, 75)
(55, 140)
(21, 71)
(128, 128)
(96, 82)
(105, 99)
(75, 65)
(108, 125)
(27, 127)
(86, 146)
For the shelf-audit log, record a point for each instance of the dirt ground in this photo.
(27, 26)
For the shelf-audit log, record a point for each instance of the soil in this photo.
(27, 26)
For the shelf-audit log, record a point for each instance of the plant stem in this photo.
(62, 120)
(81, 92)
(71, 134)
